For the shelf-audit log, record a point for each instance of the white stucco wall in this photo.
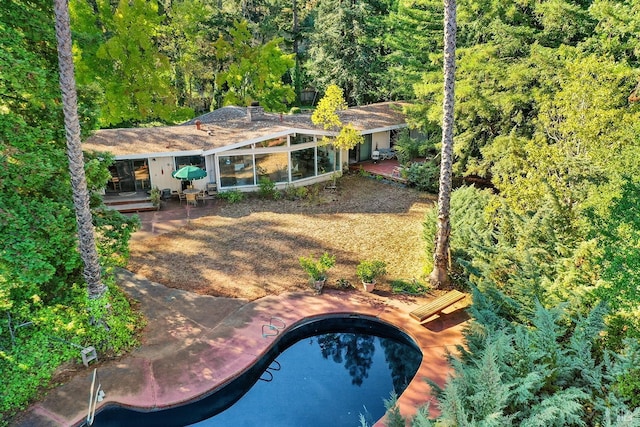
(380, 140)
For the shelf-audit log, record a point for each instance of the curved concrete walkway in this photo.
(194, 344)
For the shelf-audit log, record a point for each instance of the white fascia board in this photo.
(286, 132)
(384, 129)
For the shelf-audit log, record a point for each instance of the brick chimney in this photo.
(255, 112)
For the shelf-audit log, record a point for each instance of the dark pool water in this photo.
(323, 373)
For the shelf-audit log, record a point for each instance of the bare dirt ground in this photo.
(250, 249)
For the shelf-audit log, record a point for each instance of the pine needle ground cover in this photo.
(250, 248)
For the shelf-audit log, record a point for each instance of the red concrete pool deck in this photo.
(194, 344)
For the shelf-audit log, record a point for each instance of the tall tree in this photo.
(345, 50)
(327, 115)
(439, 276)
(253, 73)
(86, 237)
(415, 44)
(117, 48)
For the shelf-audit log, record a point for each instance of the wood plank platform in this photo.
(437, 305)
(133, 207)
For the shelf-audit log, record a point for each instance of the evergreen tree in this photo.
(344, 49)
(415, 43)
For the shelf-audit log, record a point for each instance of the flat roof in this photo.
(229, 126)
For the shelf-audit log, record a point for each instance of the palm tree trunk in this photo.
(439, 276)
(86, 238)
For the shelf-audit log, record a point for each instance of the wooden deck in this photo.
(133, 207)
(137, 202)
(388, 169)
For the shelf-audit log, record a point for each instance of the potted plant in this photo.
(317, 269)
(368, 271)
(155, 195)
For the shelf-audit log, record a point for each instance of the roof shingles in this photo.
(229, 126)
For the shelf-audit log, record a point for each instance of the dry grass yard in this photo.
(250, 249)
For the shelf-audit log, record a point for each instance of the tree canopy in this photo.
(547, 102)
(41, 282)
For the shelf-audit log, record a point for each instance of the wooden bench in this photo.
(437, 305)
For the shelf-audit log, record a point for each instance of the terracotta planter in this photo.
(318, 285)
(369, 287)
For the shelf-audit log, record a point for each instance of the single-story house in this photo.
(237, 146)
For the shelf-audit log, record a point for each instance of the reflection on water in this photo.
(403, 362)
(326, 380)
(355, 350)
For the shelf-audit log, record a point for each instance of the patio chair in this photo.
(192, 198)
(201, 196)
(182, 197)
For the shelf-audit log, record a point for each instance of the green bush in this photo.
(628, 387)
(291, 192)
(412, 287)
(317, 269)
(407, 148)
(470, 228)
(368, 271)
(53, 335)
(423, 176)
(232, 196)
(268, 189)
(155, 195)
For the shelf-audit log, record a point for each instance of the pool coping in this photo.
(195, 344)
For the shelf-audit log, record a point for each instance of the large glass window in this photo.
(275, 142)
(301, 139)
(272, 166)
(182, 161)
(236, 170)
(327, 161)
(129, 175)
(141, 174)
(303, 164)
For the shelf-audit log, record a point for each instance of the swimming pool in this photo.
(322, 372)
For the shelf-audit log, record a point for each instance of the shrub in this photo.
(470, 228)
(155, 197)
(313, 193)
(408, 148)
(232, 196)
(412, 287)
(268, 189)
(51, 334)
(291, 192)
(423, 176)
(317, 269)
(628, 387)
(368, 271)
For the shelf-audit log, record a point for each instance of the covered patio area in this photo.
(388, 169)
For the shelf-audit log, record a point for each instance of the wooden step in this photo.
(133, 207)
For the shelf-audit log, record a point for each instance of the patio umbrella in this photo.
(189, 173)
